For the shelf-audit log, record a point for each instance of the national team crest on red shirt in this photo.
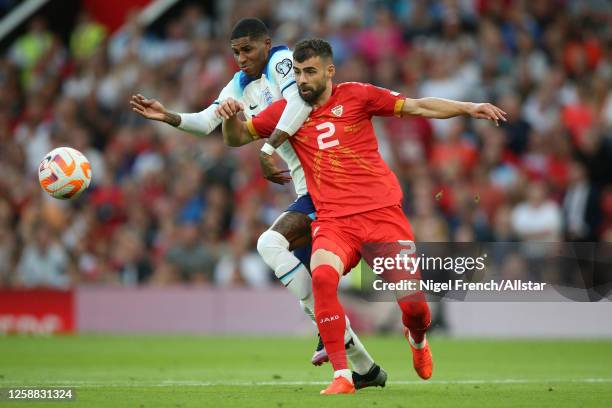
(337, 110)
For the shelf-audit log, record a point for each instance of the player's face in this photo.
(313, 76)
(251, 54)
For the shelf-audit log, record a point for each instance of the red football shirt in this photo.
(338, 149)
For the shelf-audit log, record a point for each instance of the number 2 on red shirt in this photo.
(330, 129)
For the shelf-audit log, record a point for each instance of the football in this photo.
(64, 173)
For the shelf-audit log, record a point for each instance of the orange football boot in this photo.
(422, 359)
(340, 385)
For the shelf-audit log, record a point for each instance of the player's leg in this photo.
(416, 318)
(335, 250)
(366, 373)
(327, 268)
(276, 252)
(394, 231)
(274, 246)
(302, 249)
(291, 231)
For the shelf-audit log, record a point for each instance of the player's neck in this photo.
(257, 75)
(259, 72)
(324, 98)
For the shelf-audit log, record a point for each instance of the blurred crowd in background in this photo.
(166, 207)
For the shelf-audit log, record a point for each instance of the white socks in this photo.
(356, 353)
(308, 308)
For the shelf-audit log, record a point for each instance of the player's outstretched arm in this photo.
(440, 108)
(199, 123)
(154, 110)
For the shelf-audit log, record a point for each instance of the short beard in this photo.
(313, 96)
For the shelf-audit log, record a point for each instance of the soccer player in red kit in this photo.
(356, 196)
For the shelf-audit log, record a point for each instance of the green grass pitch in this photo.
(191, 371)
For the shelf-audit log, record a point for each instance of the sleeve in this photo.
(296, 111)
(264, 124)
(382, 102)
(204, 122)
(280, 71)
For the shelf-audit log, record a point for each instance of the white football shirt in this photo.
(276, 82)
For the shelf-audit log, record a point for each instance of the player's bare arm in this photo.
(154, 110)
(268, 165)
(439, 108)
(236, 133)
(235, 130)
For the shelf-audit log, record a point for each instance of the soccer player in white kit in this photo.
(266, 75)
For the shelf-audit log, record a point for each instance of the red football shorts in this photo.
(383, 232)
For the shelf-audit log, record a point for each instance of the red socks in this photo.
(329, 314)
(331, 320)
(415, 315)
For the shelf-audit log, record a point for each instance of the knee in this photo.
(270, 243)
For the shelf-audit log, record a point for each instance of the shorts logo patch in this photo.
(337, 110)
(284, 67)
(315, 231)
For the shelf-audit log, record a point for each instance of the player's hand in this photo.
(270, 171)
(228, 108)
(149, 108)
(487, 111)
